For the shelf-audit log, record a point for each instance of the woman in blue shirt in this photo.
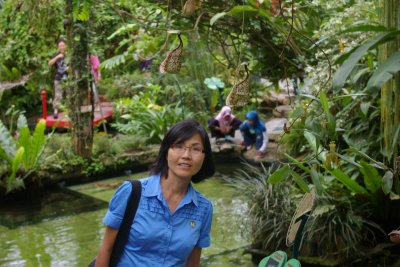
(173, 220)
(254, 132)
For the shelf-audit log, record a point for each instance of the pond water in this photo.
(64, 228)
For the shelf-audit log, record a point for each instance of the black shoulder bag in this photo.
(123, 233)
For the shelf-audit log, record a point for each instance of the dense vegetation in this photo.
(342, 138)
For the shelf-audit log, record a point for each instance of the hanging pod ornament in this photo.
(190, 7)
(173, 62)
(239, 94)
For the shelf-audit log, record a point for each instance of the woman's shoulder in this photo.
(202, 200)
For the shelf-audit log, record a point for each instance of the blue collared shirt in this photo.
(157, 237)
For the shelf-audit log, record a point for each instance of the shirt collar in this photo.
(153, 189)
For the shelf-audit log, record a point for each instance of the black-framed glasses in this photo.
(195, 150)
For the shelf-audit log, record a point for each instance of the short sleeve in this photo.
(205, 232)
(116, 209)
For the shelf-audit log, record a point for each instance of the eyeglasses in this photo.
(195, 150)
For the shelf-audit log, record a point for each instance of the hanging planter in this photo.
(395, 236)
(239, 95)
(173, 62)
(190, 7)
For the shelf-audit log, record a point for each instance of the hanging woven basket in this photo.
(173, 62)
(190, 7)
(239, 94)
(395, 236)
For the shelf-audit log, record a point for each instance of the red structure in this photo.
(102, 111)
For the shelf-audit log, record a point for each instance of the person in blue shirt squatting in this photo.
(254, 132)
(173, 220)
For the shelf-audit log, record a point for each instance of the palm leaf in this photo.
(15, 165)
(7, 142)
(344, 71)
(24, 140)
(37, 142)
(384, 72)
(372, 179)
(348, 182)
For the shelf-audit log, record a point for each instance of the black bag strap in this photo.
(125, 227)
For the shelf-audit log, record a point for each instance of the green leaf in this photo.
(387, 182)
(239, 10)
(15, 165)
(364, 107)
(124, 29)
(299, 181)
(372, 179)
(24, 140)
(5, 156)
(384, 72)
(352, 185)
(22, 122)
(316, 179)
(298, 163)
(347, 67)
(37, 142)
(7, 141)
(278, 175)
(216, 17)
(366, 28)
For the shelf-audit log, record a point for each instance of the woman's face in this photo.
(250, 122)
(184, 160)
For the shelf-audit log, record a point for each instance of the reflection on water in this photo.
(65, 228)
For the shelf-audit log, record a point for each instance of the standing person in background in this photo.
(254, 133)
(173, 220)
(58, 60)
(224, 125)
(95, 63)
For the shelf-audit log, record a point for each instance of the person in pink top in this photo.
(95, 63)
(224, 125)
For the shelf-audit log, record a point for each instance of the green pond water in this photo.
(64, 228)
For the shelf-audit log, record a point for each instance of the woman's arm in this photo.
(103, 257)
(194, 258)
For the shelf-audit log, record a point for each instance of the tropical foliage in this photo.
(20, 156)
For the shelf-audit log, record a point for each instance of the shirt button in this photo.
(169, 226)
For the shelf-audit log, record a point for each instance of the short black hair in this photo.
(179, 133)
(59, 40)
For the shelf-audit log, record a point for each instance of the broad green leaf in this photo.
(352, 185)
(378, 164)
(316, 179)
(15, 165)
(387, 182)
(278, 175)
(347, 67)
(239, 10)
(299, 181)
(372, 179)
(325, 105)
(321, 209)
(216, 17)
(214, 98)
(384, 72)
(124, 29)
(315, 146)
(5, 156)
(37, 142)
(24, 140)
(364, 107)
(298, 163)
(366, 28)
(7, 141)
(21, 122)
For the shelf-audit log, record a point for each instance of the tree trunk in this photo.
(390, 93)
(78, 88)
